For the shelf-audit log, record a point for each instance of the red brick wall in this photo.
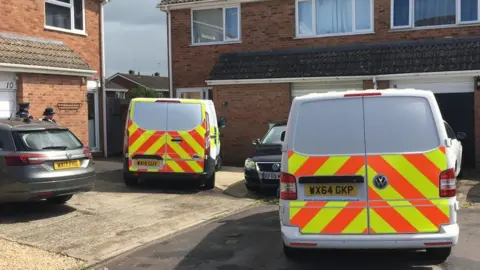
(250, 109)
(271, 25)
(49, 90)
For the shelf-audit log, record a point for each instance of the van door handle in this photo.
(177, 140)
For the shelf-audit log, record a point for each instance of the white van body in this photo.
(368, 169)
(214, 129)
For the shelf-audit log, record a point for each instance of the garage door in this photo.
(8, 94)
(300, 89)
(455, 98)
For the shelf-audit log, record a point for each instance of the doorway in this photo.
(93, 120)
(194, 93)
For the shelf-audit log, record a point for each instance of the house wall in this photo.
(26, 18)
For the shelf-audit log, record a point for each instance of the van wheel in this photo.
(59, 199)
(218, 163)
(438, 255)
(130, 181)
(291, 253)
(210, 182)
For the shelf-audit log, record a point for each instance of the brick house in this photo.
(51, 55)
(252, 57)
(122, 82)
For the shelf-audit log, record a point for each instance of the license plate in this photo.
(148, 163)
(61, 165)
(344, 190)
(270, 175)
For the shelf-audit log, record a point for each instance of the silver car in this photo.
(41, 160)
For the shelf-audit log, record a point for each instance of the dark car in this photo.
(41, 160)
(262, 168)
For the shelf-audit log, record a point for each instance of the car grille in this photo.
(268, 166)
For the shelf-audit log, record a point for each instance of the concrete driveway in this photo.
(112, 219)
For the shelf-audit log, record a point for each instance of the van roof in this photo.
(383, 92)
(173, 99)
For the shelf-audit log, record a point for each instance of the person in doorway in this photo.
(23, 110)
(49, 114)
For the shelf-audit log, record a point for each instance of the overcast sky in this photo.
(135, 37)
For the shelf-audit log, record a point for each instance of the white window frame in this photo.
(314, 19)
(411, 17)
(72, 17)
(225, 41)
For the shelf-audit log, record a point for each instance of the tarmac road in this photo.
(251, 241)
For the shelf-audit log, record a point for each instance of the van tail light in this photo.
(207, 137)
(87, 152)
(363, 94)
(288, 187)
(24, 159)
(448, 187)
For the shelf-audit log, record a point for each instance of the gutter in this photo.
(104, 95)
(465, 73)
(17, 68)
(203, 3)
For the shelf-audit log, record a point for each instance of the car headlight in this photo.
(250, 164)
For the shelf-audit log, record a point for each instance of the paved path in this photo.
(251, 241)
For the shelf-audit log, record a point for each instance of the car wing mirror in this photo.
(222, 122)
(256, 142)
(461, 136)
(282, 136)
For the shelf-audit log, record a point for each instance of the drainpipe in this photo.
(374, 80)
(104, 95)
(169, 37)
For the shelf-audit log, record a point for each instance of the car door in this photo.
(405, 157)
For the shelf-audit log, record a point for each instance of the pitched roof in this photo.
(358, 60)
(23, 50)
(150, 81)
(111, 85)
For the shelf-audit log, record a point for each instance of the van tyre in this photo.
(130, 181)
(59, 199)
(209, 183)
(251, 188)
(438, 255)
(291, 253)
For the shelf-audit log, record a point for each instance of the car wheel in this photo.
(130, 181)
(291, 253)
(251, 188)
(438, 255)
(218, 163)
(209, 183)
(59, 199)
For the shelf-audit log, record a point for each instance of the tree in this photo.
(143, 92)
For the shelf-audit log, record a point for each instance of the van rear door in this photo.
(147, 125)
(327, 157)
(185, 148)
(406, 158)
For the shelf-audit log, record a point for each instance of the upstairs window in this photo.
(432, 13)
(218, 25)
(333, 17)
(65, 15)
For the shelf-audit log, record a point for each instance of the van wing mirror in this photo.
(282, 136)
(222, 122)
(461, 136)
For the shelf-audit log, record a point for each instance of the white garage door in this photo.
(8, 94)
(437, 86)
(300, 89)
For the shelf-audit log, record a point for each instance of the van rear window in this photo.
(167, 116)
(399, 125)
(184, 116)
(330, 127)
(150, 115)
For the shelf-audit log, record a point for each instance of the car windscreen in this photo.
(49, 139)
(273, 136)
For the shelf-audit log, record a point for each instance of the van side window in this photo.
(450, 132)
(399, 125)
(184, 116)
(150, 115)
(329, 127)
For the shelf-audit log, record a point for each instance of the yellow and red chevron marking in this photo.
(411, 202)
(329, 217)
(300, 165)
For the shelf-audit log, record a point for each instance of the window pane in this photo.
(150, 115)
(78, 14)
(434, 12)
(401, 12)
(58, 16)
(208, 25)
(184, 116)
(305, 20)
(412, 130)
(231, 23)
(333, 16)
(469, 10)
(362, 14)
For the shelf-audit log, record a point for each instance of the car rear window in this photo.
(399, 125)
(150, 115)
(50, 139)
(330, 127)
(184, 116)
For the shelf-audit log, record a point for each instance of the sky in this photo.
(135, 37)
